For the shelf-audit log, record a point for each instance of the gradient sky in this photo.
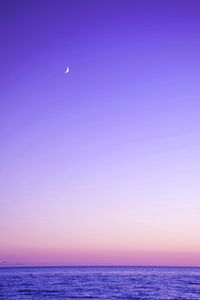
(100, 166)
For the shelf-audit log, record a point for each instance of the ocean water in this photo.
(145, 283)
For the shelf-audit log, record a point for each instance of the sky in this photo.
(100, 166)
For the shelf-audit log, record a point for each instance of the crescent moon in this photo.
(67, 70)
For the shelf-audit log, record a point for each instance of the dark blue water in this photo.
(145, 283)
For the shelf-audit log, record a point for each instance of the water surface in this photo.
(138, 283)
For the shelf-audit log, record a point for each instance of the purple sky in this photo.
(100, 165)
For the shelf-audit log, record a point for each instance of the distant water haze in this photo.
(100, 166)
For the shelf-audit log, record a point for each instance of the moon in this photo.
(67, 70)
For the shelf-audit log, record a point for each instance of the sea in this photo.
(138, 283)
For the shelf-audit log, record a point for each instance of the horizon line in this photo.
(98, 266)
